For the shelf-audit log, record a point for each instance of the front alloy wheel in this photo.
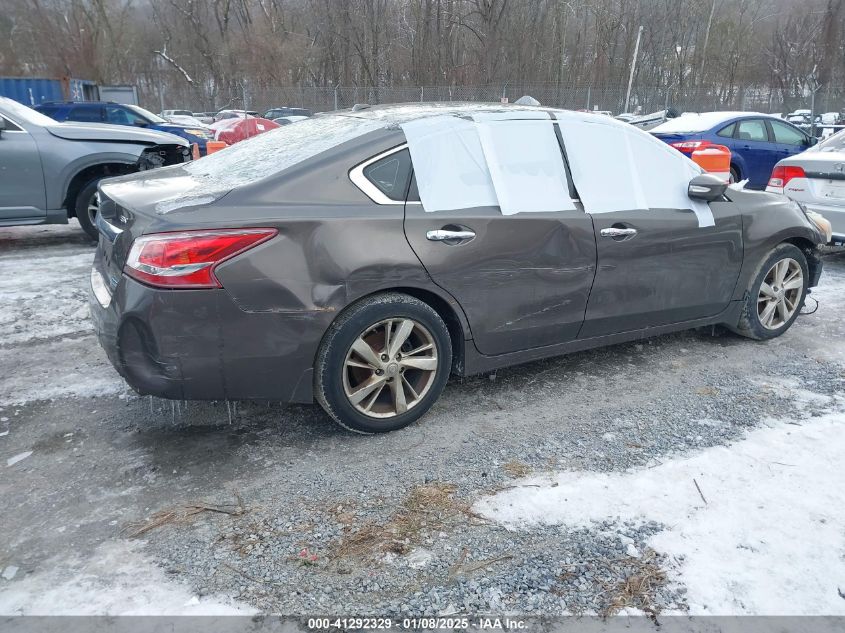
(780, 294)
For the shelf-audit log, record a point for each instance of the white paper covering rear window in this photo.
(449, 164)
(526, 166)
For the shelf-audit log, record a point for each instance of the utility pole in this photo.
(633, 67)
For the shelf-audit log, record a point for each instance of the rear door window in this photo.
(391, 174)
(786, 134)
(753, 130)
(727, 131)
(86, 113)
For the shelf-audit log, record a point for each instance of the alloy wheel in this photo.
(780, 293)
(93, 208)
(390, 367)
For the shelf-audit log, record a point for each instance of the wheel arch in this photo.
(811, 253)
(85, 175)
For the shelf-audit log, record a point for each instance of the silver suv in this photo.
(50, 170)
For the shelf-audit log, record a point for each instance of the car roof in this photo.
(701, 122)
(397, 114)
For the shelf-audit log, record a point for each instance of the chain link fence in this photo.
(157, 94)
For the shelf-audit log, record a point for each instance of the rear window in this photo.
(274, 151)
(752, 130)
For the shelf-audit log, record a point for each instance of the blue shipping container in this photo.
(31, 91)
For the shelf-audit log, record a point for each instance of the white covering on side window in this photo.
(616, 167)
(526, 165)
(449, 164)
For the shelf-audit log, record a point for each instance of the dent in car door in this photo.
(667, 270)
(523, 280)
(22, 193)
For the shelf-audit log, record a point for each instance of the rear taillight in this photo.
(782, 174)
(188, 259)
(689, 146)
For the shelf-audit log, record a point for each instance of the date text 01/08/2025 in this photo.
(440, 623)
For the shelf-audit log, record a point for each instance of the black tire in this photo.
(330, 371)
(83, 198)
(734, 174)
(750, 324)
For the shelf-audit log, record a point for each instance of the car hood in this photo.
(161, 191)
(113, 134)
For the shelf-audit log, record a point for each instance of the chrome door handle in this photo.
(444, 235)
(613, 232)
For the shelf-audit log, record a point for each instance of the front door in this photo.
(657, 266)
(22, 195)
(758, 152)
(523, 280)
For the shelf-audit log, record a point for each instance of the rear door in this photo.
(22, 192)
(759, 153)
(522, 278)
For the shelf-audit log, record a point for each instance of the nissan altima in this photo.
(361, 257)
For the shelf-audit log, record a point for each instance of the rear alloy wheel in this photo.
(383, 363)
(776, 294)
(87, 208)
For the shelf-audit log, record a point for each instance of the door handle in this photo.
(446, 235)
(615, 232)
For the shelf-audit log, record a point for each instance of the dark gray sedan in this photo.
(360, 258)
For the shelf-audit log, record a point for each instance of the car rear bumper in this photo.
(199, 345)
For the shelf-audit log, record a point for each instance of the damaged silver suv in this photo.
(50, 170)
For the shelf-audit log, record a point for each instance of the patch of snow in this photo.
(419, 557)
(17, 458)
(117, 580)
(10, 572)
(768, 540)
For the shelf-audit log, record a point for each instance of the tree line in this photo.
(210, 51)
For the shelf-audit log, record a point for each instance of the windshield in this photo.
(153, 118)
(835, 143)
(23, 114)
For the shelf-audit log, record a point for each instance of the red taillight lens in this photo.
(689, 146)
(782, 174)
(188, 259)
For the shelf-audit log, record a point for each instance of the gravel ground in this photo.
(388, 519)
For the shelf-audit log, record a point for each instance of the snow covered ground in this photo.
(117, 580)
(757, 527)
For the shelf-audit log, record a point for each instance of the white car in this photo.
(816, 179)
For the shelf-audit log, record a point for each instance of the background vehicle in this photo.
(233, 130)
(757, 141)
(322, 263)
(275, 113)
(121, 114)
(188, 121)
(816, 179)
(51, 170)
(287, 120)
(166, 114)
(234, 114)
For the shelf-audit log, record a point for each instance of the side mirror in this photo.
(707, 187)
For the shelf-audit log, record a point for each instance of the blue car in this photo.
(122, 114)
(757, 141)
